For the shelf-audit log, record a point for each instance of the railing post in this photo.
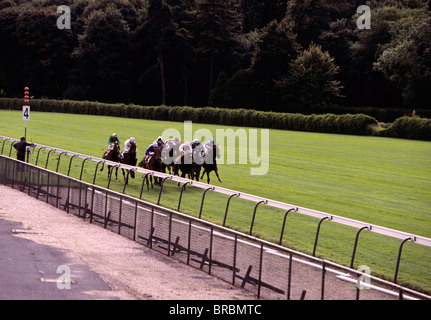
(317, 233)
(82, 168)
(234, 259)
(322, 288)
(254, 214)
(259, 285)
(47, 187)
(119, 215)
(70, 164)
(58, 191)
(227, 206)
(92, 203)
(13, 173)
(289, 279)
(47, 158)
(284, 224)
(29, 181)
(161, 188)
(356, 243)
(38, 184)
(58, 161)
(211, 249)
(189, 240)
(95, 170)
(169, 235)
(203, 198)
(2, 146)
(10, 149)
(181, 194)
(399, 256)
(110, 174)
(105, 221)
(143, 184)
(37, 157)
(135, 221)
(126, 181)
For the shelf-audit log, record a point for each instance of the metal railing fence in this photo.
(258, 201)
(268, 270)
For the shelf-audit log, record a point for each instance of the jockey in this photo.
(209, 146)
(151, 148)
(128, 143)
(195, 143)
(112, 138)
(171, 149)
(159, 141)
(185, 147)
(172, 144)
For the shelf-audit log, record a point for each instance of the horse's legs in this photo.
(148, 185)
(203, 173)
(216, 172)
(116, 173)
(198, 171)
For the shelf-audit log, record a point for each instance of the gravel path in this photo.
(130, 270)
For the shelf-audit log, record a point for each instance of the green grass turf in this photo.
(380, 181)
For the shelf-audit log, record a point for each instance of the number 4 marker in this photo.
(26, 113)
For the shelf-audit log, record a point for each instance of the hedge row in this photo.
(357, 124)
(381, 114)
(409, 128)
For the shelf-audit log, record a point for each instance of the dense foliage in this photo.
(275, 55)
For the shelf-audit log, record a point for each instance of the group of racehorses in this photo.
(155, 162)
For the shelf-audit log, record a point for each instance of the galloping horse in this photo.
(112, 154)
(186, 167)
(189, 167)
(130, 159)
(152, 162)
(211, 165)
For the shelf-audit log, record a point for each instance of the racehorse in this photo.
(189, 167)
(152, 162)
(112, 154)
(130, 159)
(211, 165)
(186, 166)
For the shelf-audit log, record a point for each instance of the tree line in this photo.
(274, 55)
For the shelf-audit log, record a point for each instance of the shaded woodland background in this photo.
(287, 56)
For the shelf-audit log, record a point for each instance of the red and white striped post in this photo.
(26, 115)
(26, 109)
